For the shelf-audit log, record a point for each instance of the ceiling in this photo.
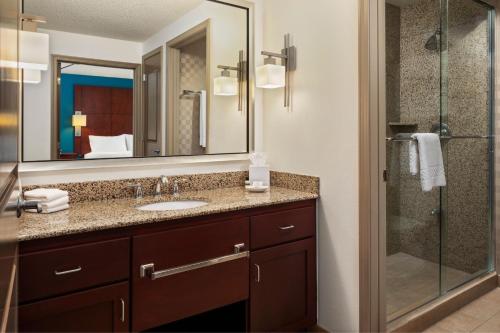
(133, 20)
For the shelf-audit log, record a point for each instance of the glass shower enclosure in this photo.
(439, 79)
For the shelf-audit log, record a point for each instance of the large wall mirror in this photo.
(138, 78)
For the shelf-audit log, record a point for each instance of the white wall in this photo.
(227, 126)
(319, 136)
(37, 98)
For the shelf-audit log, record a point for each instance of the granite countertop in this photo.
(118, 213)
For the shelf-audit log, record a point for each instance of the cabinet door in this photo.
(97, 310)
(283, 287)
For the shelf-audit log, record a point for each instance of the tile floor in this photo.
(482, 315)
(412, 282)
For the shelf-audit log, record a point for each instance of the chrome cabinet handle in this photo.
(148, 270)
(258, 273)
(71, 271)
(238, 248)
(122, 318)
(290, 227)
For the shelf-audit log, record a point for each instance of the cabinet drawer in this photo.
(49, 273)
(195, 270)
(281, 227)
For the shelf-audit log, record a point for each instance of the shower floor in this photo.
(412, 282)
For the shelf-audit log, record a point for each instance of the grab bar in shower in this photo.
(396, 139)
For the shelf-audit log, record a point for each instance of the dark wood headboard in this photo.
(109, 112)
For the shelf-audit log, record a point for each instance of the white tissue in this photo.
(258, 159)
(259, 170)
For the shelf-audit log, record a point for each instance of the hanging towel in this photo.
(203, 119)
(45, 194)
(50, 210)
(430, 158)
(413, 157)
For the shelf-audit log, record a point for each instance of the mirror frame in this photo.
(61, 165)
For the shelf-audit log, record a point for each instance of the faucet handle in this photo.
(138, 190)
(176, 185)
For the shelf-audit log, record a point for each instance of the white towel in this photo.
(203, 119)
(55, 203)
(413, 157)
(51, 210)
(45, 194)
(430, 158)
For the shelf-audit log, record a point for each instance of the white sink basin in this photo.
(173, 205)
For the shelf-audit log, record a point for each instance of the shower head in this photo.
(433, 43)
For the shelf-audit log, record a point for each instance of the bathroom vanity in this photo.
(136, 271)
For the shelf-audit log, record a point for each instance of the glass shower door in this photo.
(413, 78)
(438, 80)
(467, 119)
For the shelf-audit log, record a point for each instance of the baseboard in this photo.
(318, 329)
(435, 311)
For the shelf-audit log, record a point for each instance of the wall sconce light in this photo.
(33, 45)
(78, 121)
(272, 76)
(225, 85)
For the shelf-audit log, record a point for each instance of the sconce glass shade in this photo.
(270, 76)
(225, 86)
(32, 76)
(33, 50)
(79, 120)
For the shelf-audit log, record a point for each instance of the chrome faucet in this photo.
(176, 190)
(162, 181)
(138, 190)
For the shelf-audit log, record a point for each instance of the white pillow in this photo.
(129, 140)
(107, 144)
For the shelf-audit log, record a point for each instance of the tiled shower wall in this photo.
(414, 97)
(192, 77)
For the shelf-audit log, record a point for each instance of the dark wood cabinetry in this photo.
(97, 310)
(283, 287)
(263, 258)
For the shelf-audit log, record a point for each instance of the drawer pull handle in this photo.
(149, 269)
(122, 317)
(290, 227)
(71, 271)
(258, 272)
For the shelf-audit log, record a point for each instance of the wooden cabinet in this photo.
(283, 287)
(97, 310)
(203, 270)
(262, 260)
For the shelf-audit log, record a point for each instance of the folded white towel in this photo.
(50, 210)
(55, 203)
(431, 160)
(45, 194)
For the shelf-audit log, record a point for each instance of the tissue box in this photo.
(260, 174)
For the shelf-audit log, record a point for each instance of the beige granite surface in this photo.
(90, 216)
